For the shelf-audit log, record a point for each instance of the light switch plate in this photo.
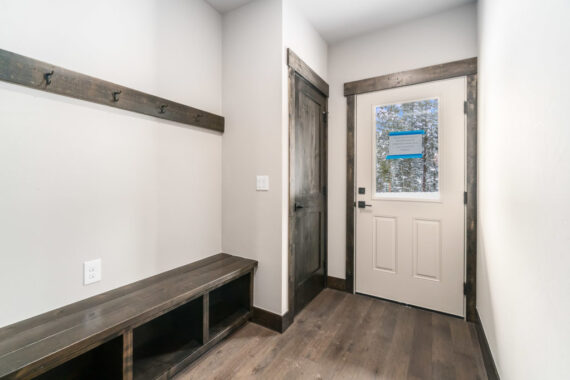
(262, 183)
(91, 271)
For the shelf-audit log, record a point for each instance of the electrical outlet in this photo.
(91, 271)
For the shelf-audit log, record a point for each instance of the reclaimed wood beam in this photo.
(29, 72)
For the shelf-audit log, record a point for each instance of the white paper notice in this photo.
(406, 144)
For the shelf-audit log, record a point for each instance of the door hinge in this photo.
(465, 197)
(466, 288)
(465, 107)
(325, 191)
(325, 117)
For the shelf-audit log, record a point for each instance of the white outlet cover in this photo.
(262, 183)
(91, 271)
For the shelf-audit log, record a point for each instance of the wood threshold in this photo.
(38, 75)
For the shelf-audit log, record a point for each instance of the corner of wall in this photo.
(253, 144)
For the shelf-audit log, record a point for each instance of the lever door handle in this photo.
(362, 204)
(298, 206)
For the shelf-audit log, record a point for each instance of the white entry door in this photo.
(410, 177)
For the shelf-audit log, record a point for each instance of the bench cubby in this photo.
(166, 340)
(228, 304)
(150, 329)
(103, 362)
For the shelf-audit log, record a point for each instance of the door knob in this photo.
(298, 206)
(362, 204)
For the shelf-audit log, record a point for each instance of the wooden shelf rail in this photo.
(150, 329)
(29, 72)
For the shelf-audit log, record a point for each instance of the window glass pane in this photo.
(407, 147)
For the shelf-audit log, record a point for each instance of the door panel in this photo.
(410, 148)
(308, 244)
(427, 248)
(307, 138)
(309, 180)
(384, 244)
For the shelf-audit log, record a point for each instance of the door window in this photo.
(406, 147)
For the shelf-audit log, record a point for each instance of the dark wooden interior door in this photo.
(309, 235)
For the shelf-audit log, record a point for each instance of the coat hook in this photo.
(116, 96)
(163, 108)
(47, 77)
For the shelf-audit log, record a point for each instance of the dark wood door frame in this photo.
(467, 68)
(299, 70)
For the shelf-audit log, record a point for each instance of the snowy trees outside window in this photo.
(408, 175)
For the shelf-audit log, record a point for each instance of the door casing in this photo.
(467, 68)
(299, 70)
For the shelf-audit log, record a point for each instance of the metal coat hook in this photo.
(163, 108)
(116, 95)
(47, 77)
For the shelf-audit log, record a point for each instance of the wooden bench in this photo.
(149, 329)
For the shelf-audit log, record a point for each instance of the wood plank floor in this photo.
(344, 336)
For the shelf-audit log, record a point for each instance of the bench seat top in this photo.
(61, 334)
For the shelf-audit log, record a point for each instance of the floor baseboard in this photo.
(490, 367)
(272, 321)
(336, 283)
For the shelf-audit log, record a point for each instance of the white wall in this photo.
(523, 288)
(445, 37)
(252, 143)
(80, 181)
(255, 102)
(301, 36)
